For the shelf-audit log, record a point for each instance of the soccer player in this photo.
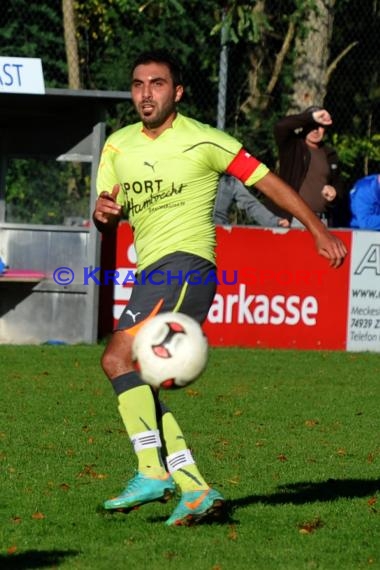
(162, 173)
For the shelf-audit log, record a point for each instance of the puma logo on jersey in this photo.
(146, 163)
(134, 316)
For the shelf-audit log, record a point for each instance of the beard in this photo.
(156, 117)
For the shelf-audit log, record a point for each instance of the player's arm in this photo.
(107, 212)
(286, 198)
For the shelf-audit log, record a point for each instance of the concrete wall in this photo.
(45, 311)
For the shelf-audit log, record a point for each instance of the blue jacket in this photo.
(365, 203)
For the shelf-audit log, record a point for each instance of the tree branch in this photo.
(280, 57)
(333, 65)
(255, 98)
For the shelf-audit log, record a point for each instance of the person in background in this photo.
(308, 165)
(232, 191)
(365, 203)
(162, 172)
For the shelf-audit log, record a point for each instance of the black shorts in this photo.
(179, 282)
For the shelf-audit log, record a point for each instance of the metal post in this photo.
(3, 168)
(223, 73)
(92, 296)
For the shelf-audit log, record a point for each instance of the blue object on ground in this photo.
(3, 265)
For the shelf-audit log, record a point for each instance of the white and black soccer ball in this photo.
(170, 350)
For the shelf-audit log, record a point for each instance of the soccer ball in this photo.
(170, 350)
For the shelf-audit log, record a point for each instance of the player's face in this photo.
(314, 137)
(154, 95)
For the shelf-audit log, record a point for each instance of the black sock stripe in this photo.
(126, 382)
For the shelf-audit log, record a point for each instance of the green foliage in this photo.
(111, 33)
(243, 22)
(357, 155)
(46, 192)
(353, 94)
(35, 29)
(258, 30)
(130, 27)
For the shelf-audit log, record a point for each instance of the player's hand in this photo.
(107, 210)
(329, 193)
(322, 117)
(332, 248)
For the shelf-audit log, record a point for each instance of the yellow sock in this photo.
(138, 412)
(187, 476)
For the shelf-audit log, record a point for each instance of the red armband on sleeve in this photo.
(243, 165)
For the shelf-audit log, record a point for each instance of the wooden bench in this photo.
(22, 276)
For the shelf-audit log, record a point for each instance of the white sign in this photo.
(21, 75)
(363, 319)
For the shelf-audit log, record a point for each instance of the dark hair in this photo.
(161, 56)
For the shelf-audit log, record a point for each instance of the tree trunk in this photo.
(71, 44)
(312, 55)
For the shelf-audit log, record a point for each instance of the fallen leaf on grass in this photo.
(16, 520)
(311, 423)
(38, 516)
(12, 549)
(232, 534)
(192, 393)
(235, 480)
(371, 503)
(282, 457)
(88, 471)
(310, 526)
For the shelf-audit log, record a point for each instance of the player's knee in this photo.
(117, 357)
(111, 363)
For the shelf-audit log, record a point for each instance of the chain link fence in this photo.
(89, 57)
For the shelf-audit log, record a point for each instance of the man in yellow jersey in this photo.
(162, 173)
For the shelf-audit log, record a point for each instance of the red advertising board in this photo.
(286, 295)
(274, 290)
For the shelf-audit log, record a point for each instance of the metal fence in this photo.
(217, 85)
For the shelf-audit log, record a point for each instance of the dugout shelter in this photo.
(61, 125)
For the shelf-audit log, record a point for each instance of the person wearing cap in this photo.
(307, 164)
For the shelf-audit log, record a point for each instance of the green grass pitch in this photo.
(291, 438)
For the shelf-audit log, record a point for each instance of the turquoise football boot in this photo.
(142, 489)
(195, 506)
